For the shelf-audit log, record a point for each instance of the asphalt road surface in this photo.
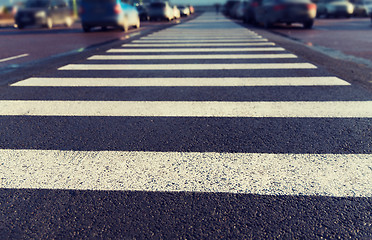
(349, 39)
(205, 130)
(21, 47)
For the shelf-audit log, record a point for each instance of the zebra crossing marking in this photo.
(175, 50)
(198, 44)
(298, 109)
(189, 56)
(170, 67)
(335, 175)
(165, 41)
(180, 82)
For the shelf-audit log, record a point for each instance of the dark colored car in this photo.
(286, 11)
(228, 6)
(362, 8)
(160, 10)
(249, 12)
(108, 13)
(45, 13)
(143, 12)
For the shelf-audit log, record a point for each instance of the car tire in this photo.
(267, 24)
(308, 24)
(86, 28)
(326, 14)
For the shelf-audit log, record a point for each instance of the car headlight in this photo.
(350, 8)
(40, 14)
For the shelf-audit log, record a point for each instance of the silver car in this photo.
(335, 8)
(160, 10)
(362, 8)
(271, 12)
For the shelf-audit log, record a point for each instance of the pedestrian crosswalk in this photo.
(328, 172)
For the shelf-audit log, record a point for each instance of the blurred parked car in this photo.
(335, 8)
(185, 11)
(362, 8)
(228, 6)
(239, 9)
(143, 12)
(286, 11)
(105, 13)
(45, 13)
(232, 11)
(249, 12)
(176, 12)
(160, 10)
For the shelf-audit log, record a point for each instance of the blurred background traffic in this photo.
(123, 14)
(267, 13)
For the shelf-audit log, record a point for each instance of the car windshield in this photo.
(37, 4)
(157, 5)
(294, 1)
(99, 1)
(337, 1)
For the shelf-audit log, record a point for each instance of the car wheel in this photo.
(308, 24)
(49, 23)
(326, 14)
(86, 28)
(267, 24)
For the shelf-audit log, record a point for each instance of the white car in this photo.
(335, 8)
(362, 8)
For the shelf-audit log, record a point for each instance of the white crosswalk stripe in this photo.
(254, 173)
(212, 40)
(188, 109)
(170, 67)
(311, 174)
(199, 44)
(174, 50)
(211, 56)
(181, 82)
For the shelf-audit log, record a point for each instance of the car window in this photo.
(99, 1)
(295, 1)
(37, 4)
(157, 5)
(61, 4)
(269, 2)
